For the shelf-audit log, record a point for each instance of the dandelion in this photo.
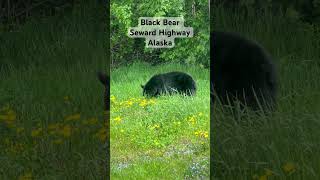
(192, 119)
(156, 126)
(9, 117)
(263, 177)
(73, 117)
(66, 131)
(66, 99)
(53, 126)
(289, 167)
(206, 135)
(201, 134)
(196, 133)
(129, 103)
(91, 121)
(26, 176)
(19, 130)
(36, 132)
(118, 119)
(57, 141)
(102, 134)
(113, 98)
(143, 103)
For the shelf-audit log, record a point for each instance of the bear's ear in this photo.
(142, 86)
(104, 79)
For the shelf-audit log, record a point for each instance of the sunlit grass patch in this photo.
(149, 131)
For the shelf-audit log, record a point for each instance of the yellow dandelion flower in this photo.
(118, 119)
(263, 177)
(57, 141)
(192, 120)
(66, 131)
(268, 172)
(143, 103)
(26, 176)
(156, 126)
(128, 103)
(92, 121)
(11, 115)
(289, 167)
(53, 126)
(102, 134)
(36, 132)
(73, 117)
(19, 130)
(66, 99)
(201, 134)
(113, 98)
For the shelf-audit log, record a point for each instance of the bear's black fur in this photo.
(169, 83)
(241, 69)
(105, 80)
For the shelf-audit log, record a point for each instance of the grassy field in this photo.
(51, 107)
(160, 138)
(285, 144)
(51, 102)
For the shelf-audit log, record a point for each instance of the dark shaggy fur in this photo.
(169, 83)
(105, 80)
(241, 69)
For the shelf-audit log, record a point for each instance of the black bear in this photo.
(105, 80)
(169, 83)
(241, 70)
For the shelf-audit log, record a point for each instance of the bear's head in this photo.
(150, 91)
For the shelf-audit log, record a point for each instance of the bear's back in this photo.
(238, 66)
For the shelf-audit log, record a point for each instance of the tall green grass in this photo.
(51, 102)
(162, 138)
(284, 144)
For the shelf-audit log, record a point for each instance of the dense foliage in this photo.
(125, 14)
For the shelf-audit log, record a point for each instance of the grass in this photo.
(51, 107)
(51, 102)
(162, 138)
(284, 144)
